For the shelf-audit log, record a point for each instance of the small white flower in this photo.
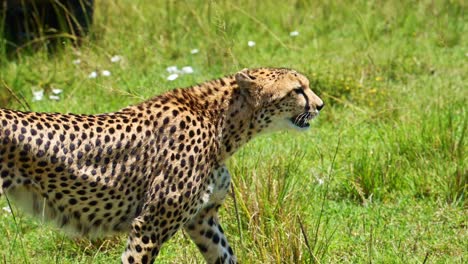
(251, 43)
(172, 69)
(106, 73)
(320, 181)
(116, 58)
(56, 91)
(194, 51)
(172, 77)
(38, 95)
(6, 209)
(54, 97)
(187, 69)
(76, 62)
(294, 34)
(92, 75)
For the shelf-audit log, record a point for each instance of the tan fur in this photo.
(152, 168)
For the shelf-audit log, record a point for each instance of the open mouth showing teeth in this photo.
(302, 120)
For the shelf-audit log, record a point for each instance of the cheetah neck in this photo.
(221, 103)
(230, 111)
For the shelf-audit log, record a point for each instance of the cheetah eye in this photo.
(299, 90)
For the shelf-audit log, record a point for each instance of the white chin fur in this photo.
(294, 127)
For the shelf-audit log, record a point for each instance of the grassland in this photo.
(380, 178)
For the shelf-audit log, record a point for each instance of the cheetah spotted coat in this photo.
(149, 169)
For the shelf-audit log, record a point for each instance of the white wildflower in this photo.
(76, 62)
(92, 75)
(106, 73)
(56, 91)
(294, 33)
(116, 58)
(251, 43)
(172, 69)
(54, 97)
(194, 51)
(172, 77)
(38, 95)
(7, 209)
(187, 69)
(320, 181)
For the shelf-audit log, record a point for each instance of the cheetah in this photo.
(152, 168)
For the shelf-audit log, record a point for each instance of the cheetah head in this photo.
(282, 98)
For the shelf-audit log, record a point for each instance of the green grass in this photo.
(380, 178)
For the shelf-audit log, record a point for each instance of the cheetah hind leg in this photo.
(145, 240)
(206, 232)
(142, 247)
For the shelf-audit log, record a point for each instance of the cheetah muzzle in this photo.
(152, 168)
(303, 120)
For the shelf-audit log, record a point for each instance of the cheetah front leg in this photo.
(204, 229)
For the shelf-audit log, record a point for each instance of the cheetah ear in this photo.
(243, 79)
(248, 87)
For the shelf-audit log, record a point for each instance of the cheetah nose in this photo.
(319, 107)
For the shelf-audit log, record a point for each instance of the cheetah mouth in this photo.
(302, 120)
